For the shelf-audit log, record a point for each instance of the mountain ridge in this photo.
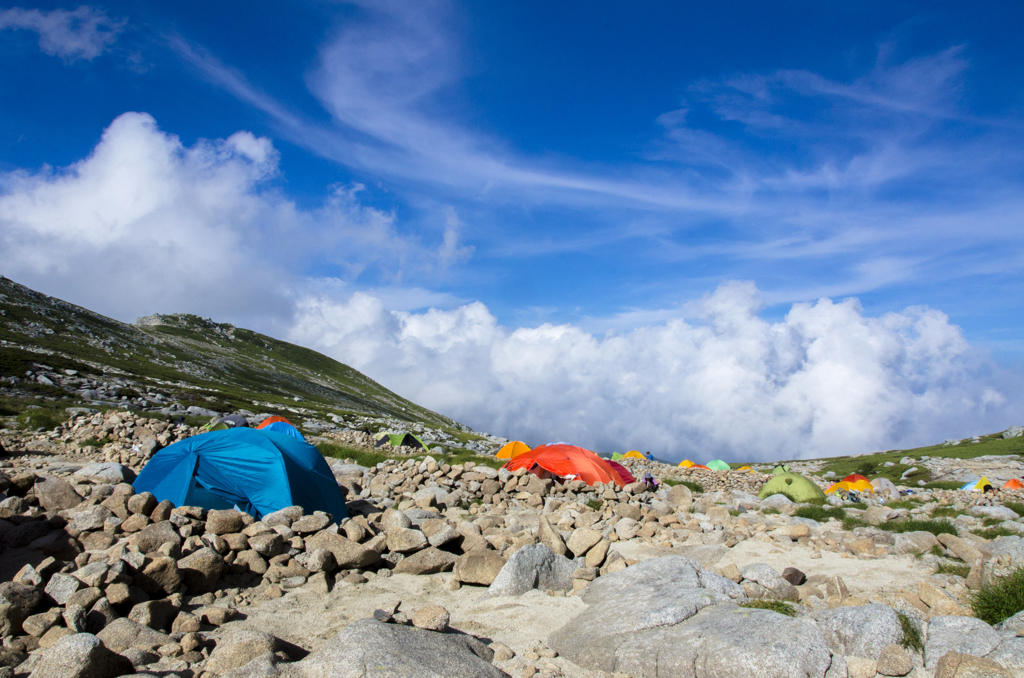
(203, 361)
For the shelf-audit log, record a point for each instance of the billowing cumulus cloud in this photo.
(824, 380)
(146, 224)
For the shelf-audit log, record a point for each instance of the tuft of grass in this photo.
(953, 568)
(1015, 506)
(769, 511)
(992, 522)
(694, 487)
(948, 512)
(94, 442)
(37, 419)
(369, 458)
(820, 513)
(936, 527)
(911, 636)
(851, 523)
(993, 603)
(595, 504)
(358, 455)
(995, 533)
(773, 605)
(943, 485)
(938, 551)
(908, 504)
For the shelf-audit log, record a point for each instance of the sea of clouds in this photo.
(147, 224)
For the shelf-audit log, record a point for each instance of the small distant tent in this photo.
(718, 465)
(513, 449)
(848, 486)
(854, 477)
(634, 454)
(980, 485)
(1013, 484)
(234, 421)
(885, 487)
(781, 468)
(617, 455)
(257, 471)
(796, 487)
(271, 420)
(686, 463)
(399, 440)
(745, 468)
(566, 461)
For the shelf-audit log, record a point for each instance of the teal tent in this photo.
(254, 470)
(717, 465)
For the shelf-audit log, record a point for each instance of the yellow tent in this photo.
(857, 485)
(513, 449)
(633, 454)
(686, 463)
(745, 468)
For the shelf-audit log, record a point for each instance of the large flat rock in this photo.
(370, 648)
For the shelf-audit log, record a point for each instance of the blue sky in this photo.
(597, 167)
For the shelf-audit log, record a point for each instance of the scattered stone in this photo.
(894, 661)
(431, 618)
(533, 567)
(81, 655)
(478, 567)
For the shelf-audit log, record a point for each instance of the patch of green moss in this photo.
(773, 605)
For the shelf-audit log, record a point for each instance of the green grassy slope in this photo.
(202, 359)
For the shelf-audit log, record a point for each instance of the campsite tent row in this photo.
(713, 465)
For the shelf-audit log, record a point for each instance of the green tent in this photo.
(399, 439)
(781, 468)
(616, 456)
(717, 465)
(796, 487)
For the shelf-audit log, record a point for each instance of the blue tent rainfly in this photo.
(257, 471)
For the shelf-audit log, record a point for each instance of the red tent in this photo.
(567, 461)
(623, 472)
(270, 420)
(854, 477)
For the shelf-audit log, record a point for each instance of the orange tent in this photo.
(686, 463)
(513, 449)
(1013, 484)
(700, 466)
(567, 461)
(271, 420)
(854, 477)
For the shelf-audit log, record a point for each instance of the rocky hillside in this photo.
(54, 355)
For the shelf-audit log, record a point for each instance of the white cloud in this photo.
(146, 224)
(825, 380)
(82, 33)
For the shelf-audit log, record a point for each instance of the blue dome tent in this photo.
(285, 428)
(255, 470)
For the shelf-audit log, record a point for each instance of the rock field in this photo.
(470, 571)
